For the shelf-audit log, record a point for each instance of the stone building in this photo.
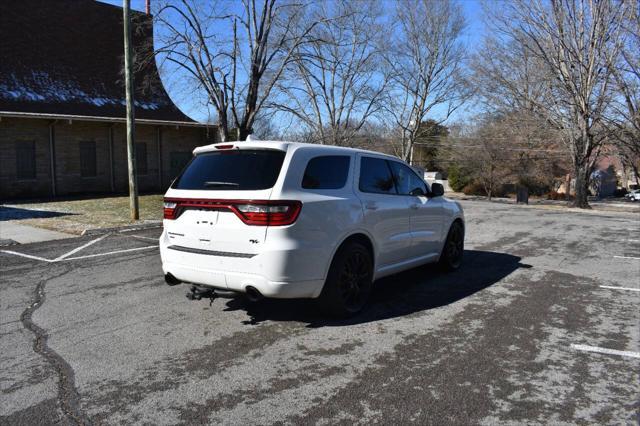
(62, 109)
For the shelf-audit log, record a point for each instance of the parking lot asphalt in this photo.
(541, 325)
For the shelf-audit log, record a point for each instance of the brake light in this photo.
(224, 146)
(170, 210)
(269, 214)
(251, 212)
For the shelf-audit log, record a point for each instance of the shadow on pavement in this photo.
(399, 295)
(14, 213)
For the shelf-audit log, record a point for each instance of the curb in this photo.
(124, 228)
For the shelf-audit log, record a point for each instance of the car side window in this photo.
(326, 172)
(375, 176)
(407, 181)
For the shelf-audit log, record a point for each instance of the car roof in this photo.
(286, 146)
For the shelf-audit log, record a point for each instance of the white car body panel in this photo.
(216, 248)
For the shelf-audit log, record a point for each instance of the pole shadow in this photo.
(399, 295)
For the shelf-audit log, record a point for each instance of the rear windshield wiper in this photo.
(219, 184)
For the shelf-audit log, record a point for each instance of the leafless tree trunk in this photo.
(578, 41)
(334, 85)
(425, 60)
(235, 58)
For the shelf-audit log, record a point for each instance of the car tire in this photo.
(349, 281)
(453, 250)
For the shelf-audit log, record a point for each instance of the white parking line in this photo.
(59, 259)
(620, 288)
(111, 252)
(75, 250)
(28, 256)
(606, 351)
(627, 257)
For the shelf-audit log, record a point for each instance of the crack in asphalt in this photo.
(68, 395)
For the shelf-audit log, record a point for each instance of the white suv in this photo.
(293, 220)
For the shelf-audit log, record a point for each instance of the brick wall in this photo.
(174, 144)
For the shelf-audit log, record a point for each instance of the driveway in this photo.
(541, 325)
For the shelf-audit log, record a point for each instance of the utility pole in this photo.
(131, 147)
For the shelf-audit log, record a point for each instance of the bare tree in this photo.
(495, 152)
(265, 127)
(507, 78)
(480, 158)
(426, 66)
(578, 41)
(511, 84)
(235, 55)
(626, 116)
(334, 85)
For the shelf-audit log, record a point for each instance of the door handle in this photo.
(371, 206)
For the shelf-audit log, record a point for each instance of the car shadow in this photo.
(15, 213)
(409, 292)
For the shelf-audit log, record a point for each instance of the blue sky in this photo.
(473, 37)
(476, 27)
(135, 4)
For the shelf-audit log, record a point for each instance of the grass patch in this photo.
(75, 216)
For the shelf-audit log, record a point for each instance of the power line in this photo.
(507, 149)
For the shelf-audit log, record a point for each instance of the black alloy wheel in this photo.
(354, 280)
(349, 281)
(453, 250)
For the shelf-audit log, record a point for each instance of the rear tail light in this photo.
(170, 210)
(275, 214)
(251, 212)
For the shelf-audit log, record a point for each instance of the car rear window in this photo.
(326, 172)
(232, 170)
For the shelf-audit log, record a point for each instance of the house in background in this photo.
(604, 182)
(62, 105)
(609, 174)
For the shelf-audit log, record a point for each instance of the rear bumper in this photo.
(271, 273)
(239, 282)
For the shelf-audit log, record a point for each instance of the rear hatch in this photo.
(220, 204)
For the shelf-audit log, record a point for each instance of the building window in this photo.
(26, 160)
(88, 167)
(141, 158)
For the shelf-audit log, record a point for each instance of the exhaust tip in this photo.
(171, 280)
(253, 294)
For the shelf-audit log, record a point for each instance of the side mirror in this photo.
(437, 189)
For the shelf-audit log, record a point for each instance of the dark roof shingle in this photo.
(66, 57)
